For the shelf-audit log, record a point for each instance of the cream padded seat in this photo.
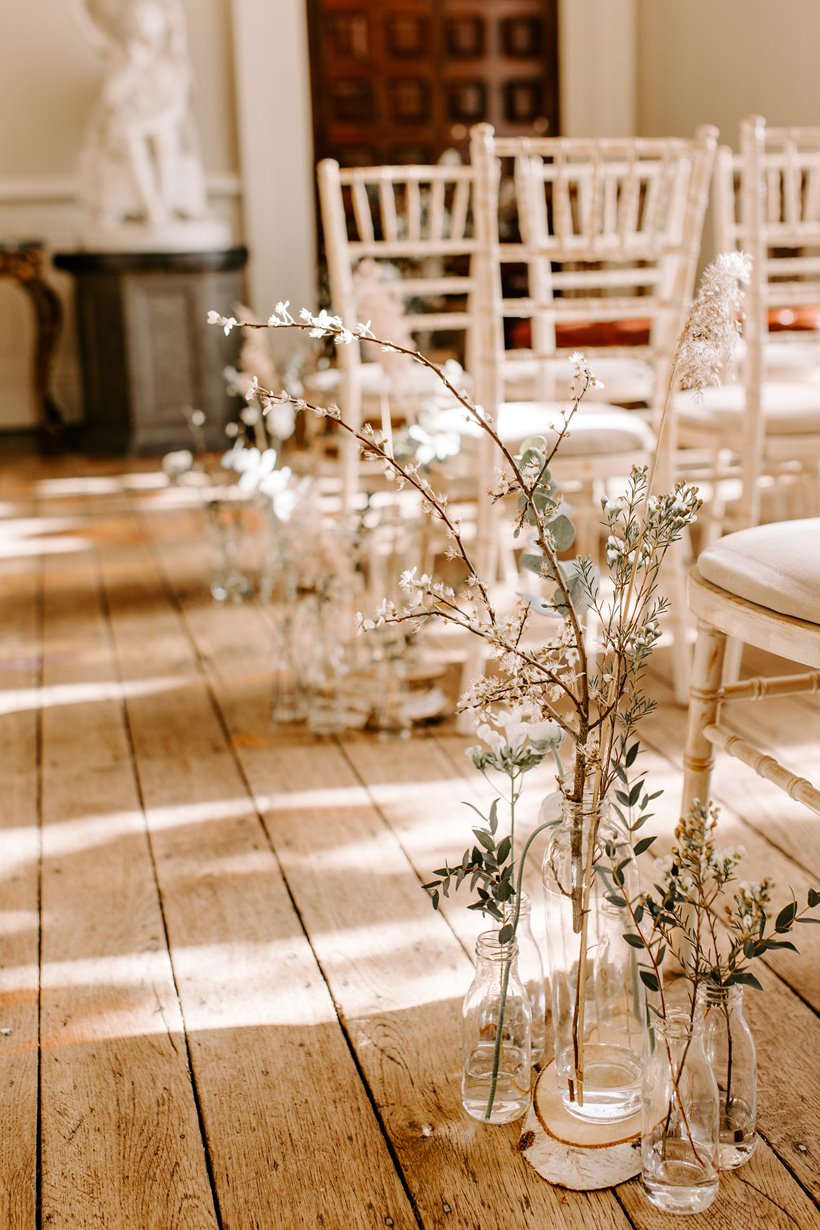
(776, 566)
(762, 587)
(788, 408)
(624, 380)
(792, 360)
(596, 427)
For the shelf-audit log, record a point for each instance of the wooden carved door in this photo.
(401, 81)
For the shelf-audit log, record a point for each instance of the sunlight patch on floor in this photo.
(16, 700)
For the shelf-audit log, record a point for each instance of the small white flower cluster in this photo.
(386, 612)
(177, 464)
(582, 377)
(517, 737)
(420, 587)
(281, 316)
(257, 470)
(749, 903)
(226, 322)
(536, 677)
(321, 325)
(516, 727)
(502, 485)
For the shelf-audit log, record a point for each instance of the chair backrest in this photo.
(415, 228)
(767, 203)
(769, 195)
(599, 230)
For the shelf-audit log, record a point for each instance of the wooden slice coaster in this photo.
(572, 1153)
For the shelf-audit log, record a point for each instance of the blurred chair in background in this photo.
(400, 248)
(604, 231)
(762, 427)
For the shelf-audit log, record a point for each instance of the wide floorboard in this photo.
(225, 1000)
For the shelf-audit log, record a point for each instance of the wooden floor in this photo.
(224, 999)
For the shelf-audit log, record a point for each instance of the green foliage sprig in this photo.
(515, 741)
(714, 925)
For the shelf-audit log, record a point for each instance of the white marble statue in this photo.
(142, 182)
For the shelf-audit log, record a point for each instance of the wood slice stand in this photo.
(571, 1153)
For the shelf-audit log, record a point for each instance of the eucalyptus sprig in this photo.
(514, 741)
(714, 925)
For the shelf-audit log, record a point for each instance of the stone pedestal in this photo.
(146, 349)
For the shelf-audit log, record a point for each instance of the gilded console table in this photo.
(23, 263)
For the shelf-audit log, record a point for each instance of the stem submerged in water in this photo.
(506, 976)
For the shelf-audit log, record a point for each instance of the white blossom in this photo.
(281, 315)
(227, 322)
(178, 463)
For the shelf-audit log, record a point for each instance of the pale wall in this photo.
(276, 151)
(597, 41)
(717, 61)
(49, 77)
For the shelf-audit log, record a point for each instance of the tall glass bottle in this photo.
(597, 998)
(730, 1048)
(679, 1128)
(496, 1019)
(531, 973)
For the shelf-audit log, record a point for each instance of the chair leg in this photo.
(732, 660)
(679, 623)
(704, 699)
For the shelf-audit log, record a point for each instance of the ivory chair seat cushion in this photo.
(784, 360)
(625, 380)
(596, 428)
(789, 408)
(775, 566)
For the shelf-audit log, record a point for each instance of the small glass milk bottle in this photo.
(531, 973)
(679, 1109)
(730, 1048)
(496, 1020)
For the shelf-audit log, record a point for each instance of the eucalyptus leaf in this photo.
(563, 532)
(634, 941)
(494, 816)
(540, 605)
(533, 563)
(746, 979)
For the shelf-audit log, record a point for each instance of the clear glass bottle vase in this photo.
(730, 1049)
(230, 581)
(496, 1019)
(531, 973)
(293, 628)
(596, 996)
(679, 1128)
